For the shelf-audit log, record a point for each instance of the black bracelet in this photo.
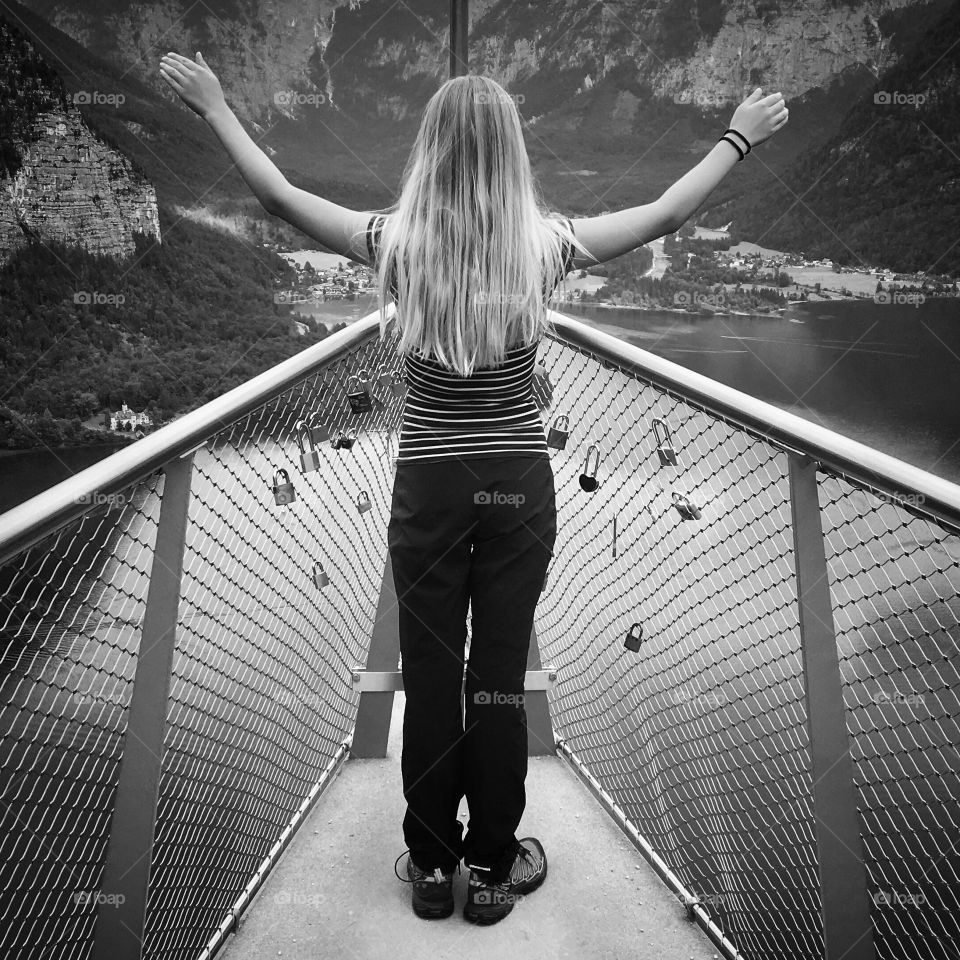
(734, 145)
(740, 135)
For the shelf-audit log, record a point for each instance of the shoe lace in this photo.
(437, 876)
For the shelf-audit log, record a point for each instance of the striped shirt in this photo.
(491, 413)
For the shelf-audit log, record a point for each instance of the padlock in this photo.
(309, 457)
(342, 441)
(557, 435)
(665, 450)
(319, 433)
(685, 507)
(283, 491)
(588, 480)
(633, 639)
(398, 383)
(384, 376)
(359, 395)
(363, 502)
(320, 578)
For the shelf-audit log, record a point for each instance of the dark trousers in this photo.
(480, 531)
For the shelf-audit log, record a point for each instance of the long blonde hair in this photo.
(469, 243)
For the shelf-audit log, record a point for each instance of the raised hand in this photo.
(193, 81)
(758, 118)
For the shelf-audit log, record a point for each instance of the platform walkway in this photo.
(333, 892)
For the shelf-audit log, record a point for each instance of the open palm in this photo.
(193, 81)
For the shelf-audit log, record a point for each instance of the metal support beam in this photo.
(376, 704)
(845, 906)
(459, 23)
(374, 681)
(121, 915)
(540, 739)
(381, 678)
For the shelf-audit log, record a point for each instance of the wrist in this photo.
(217, 112)
(730, 148)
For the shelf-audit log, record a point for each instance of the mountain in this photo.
(619, 98)
(94, 309)
(58, 181)
(885, 189)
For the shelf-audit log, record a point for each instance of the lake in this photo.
(882, 374)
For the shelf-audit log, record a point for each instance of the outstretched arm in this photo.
(613, 234)
(334, 226)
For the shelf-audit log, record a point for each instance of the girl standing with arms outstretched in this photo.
(470, 257)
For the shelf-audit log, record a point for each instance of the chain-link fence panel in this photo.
(895, 583)
(72, 613)
(278, 606)
(699, 735)
(279, 595)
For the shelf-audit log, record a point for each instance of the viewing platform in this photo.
(334, 891)
(741, 691)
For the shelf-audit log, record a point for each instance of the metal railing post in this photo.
(844, 901)
(459, 24)
(540, 738)
(122, 909)
(372, 729)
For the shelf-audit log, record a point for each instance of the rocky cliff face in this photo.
(690, 51)
(58, 180)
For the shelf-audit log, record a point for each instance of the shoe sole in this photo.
(433, 911)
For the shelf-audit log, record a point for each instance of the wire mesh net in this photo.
(72, 609)
(895, 578)
(700, 735)
(261, 695)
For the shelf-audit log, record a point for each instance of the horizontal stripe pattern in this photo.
(491, 413)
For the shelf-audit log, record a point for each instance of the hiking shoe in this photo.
(490, 902)
(432, 890)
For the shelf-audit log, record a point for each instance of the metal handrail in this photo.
(810, 449)
(912, 488)
(50, 510)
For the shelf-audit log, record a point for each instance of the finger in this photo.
(781, 119)
(183, 61)
(172, 63)
(174, 72)
(171, 80)
(755, 95)
(200, 59)
(771, 98)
